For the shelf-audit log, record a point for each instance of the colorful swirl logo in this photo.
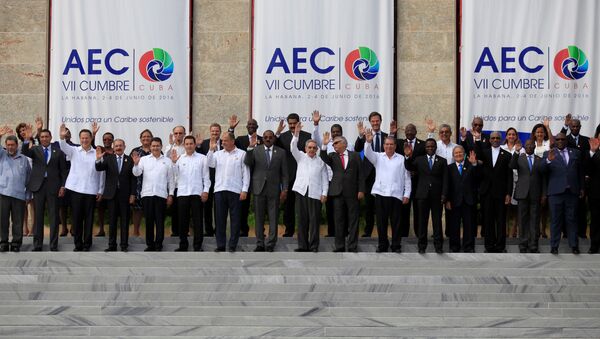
(362, 64)
(156, 65)
(571, 63)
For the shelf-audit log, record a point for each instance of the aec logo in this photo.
(156, 65)
(362, 64)
(571, 63)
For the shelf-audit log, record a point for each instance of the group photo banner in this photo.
(122, 64)
(526, 60)
(334, 56)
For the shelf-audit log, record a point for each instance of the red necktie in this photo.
(342, 158)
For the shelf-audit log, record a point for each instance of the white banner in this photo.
(524, 60)
(122, 64)
(334, 56)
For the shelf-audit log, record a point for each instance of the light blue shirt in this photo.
(14, 174)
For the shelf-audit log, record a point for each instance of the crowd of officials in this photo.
(491, 180)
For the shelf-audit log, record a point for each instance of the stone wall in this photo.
(426, 61)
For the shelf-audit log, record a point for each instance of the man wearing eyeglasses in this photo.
(565, 186)
(469, 139)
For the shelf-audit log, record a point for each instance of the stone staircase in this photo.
(286, 294)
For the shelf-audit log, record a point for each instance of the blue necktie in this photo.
(460, 167)
(120, 163)
(430, 163)
(530, 162)
(268, 157)
(46, 154)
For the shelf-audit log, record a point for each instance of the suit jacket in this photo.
(418, 148)
(594, 168)
(583, 145)
(462, 189)
(368, 169)
(563, 177)
(432, 182)
(469, 144)
(125, 179)
(284, 140)
(530, 183)
(203, 149)
(496, 181)
(345, 181)
(270, 179)
(56, 170)
(242, 142)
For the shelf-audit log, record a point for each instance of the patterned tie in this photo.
(268, 150)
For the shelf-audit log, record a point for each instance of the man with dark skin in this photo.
(565, 174)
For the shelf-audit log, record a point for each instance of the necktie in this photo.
(460, 168)
(410, 143)
(119, 163)
(343, 161)
(430, 163)
(565, 155)
(530, 162)
(268, 150)
(46, 154)
(577, 141)
(377, 143)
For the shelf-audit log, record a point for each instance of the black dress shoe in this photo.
(270, 249)
(243, 235)
(535, 250)
(111, 249)
(593, 250)
(353, 250)
(231, 249)
(439, 250)
(149, 249)
(220, 249)
(100, 234)
(329, 236)
(158, 249)
(300, 250)
(53, 249)
(4, 249)
(554, 250)
(287, 235)
(365, 235)
(397, 250)
(575, 250)
(36, 249)
(259, 249)
(422, 251)
(124, 250)
(523, 250)
(381, 250)
(86, 249)
(338, 250)
(181, 249)
(315, 250)
(198, 249)
(15, 249)
(77, 249)
(209, 234)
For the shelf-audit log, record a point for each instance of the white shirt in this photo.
(231, 174)
(540, 150)
(311, 175)
(158, 179)
(191, 175)
(178, 148)
(443, 150)
(391, 177)
(83, 177)
(495, 153)
(316, 136)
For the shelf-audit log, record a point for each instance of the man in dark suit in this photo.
(284, 140)
(203, 147)
(346, 188)
(368, 169)
(242, 142)
(47, 182)
(268, 165)
(530, 192)
(582, 143)
(564, 169)
(432, 189)
(594, 194)
(470, 139)
(417, 147)
(495, 190)
(462, 197)
(119, 191)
